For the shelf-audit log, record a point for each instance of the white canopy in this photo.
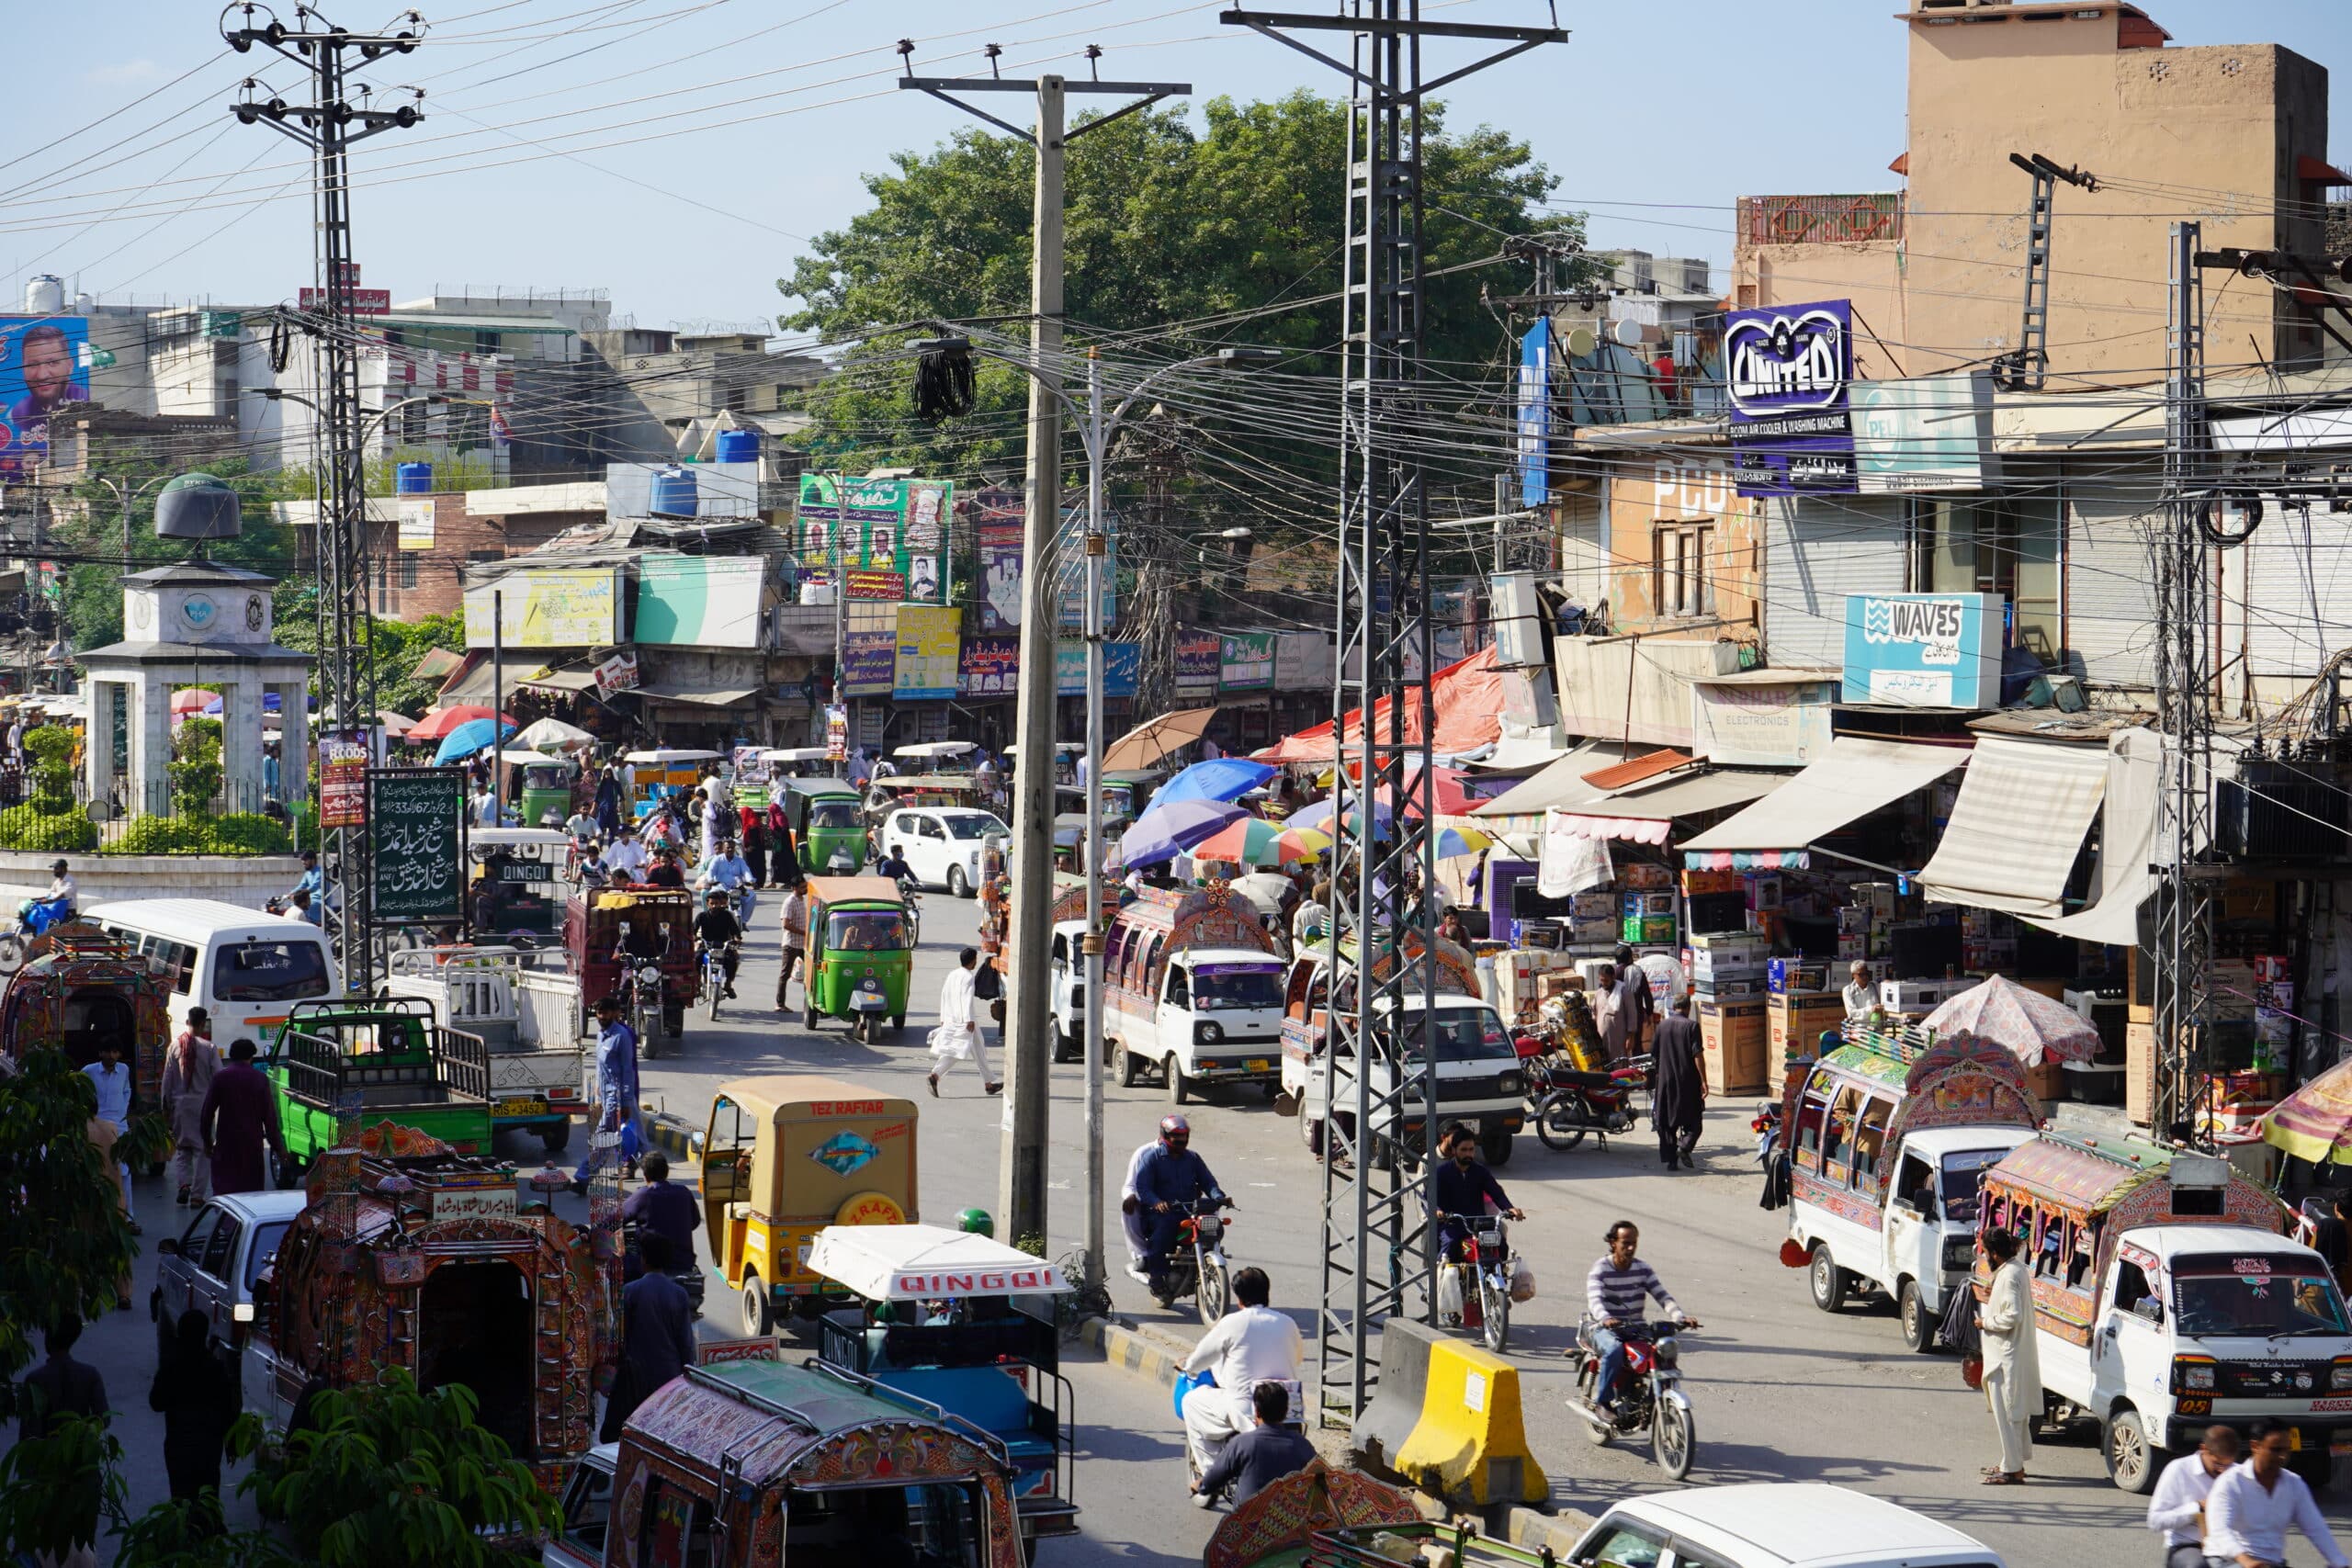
(795, 754)
(2018, 826)
(523, 759)
(1858, 776)
(666, 755)
(934, 748)
(480, 841)
(542, 733)
(921, 1263)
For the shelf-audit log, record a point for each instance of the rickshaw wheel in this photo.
(758, 1307)
(808, 1016)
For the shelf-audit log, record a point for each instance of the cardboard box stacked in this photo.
(1799, 1005)
(1524, 977)
(1728, 978)
(1863, 925)
(1646, 905)
(1988, 942)
(1595, 922)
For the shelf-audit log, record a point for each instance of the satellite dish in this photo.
(1628, 333)
(198, 506)
(1581, 342)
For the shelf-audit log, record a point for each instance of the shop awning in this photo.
(1560, 786)
(698, 697)
(2127, 843)
(1647, 816)
(2018, 826)
(560, 681)
(1147, 742)
(1858, 776)
(1466, 698)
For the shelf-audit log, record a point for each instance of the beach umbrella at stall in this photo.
(1252, 841)
(1459, 844)
(440, 721)
(2315, 1122)
(1304, 843)
(552, 735)
(1166, 832)
(2030, 1026)
(1319, 817)
(396, 726)
(1222, 778)
(466, 740)
(192, 699)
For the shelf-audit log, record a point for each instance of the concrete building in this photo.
(665, 395)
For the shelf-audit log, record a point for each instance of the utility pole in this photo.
(1377, 1256)
(1022, 1181)
(328, 126)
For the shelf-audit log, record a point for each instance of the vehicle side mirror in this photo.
(2149, 1309)
(168, 1247)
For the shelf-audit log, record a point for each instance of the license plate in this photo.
(872, 1004)
(522, 1108)
(1260, 1064)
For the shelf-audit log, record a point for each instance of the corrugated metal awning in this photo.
(560, 681)
(2018, 826)
(1857, 777)
(1561, 784)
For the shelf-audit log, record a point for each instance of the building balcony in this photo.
(1820, 220)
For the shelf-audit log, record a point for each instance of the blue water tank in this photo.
(739, 446)
(673, 492)
(413, 478)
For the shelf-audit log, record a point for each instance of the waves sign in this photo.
(1787, 370)
(1924, 650)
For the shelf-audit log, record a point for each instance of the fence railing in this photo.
(1820, 220)
(234, 819)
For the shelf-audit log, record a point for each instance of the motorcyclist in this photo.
(55, 905)
(1170, 1180)
(718, 930)
(1250, 1345)
(1464, 1187)
(893, 865)
(1613, 1293)
(312, 879)
(725, 871)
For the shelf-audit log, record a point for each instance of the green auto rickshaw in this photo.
(548, 783)
(829, 824)
(861, 953)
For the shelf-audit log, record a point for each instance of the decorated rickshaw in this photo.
(80, 988)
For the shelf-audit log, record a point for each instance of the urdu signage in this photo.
(1786, 373)
(1924, 650)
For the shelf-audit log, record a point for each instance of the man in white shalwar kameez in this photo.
(2012, 1364)
(958, 1038)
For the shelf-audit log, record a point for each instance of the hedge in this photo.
(237, 833)
(39, 827)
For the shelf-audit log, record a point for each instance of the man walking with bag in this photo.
(2012, 1362)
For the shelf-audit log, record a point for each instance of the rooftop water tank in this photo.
(674, 494)
(413, 478)
(739, 446)
(44, 295)
(84, 304)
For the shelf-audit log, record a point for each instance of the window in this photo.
(1626, 1545)
(198, 1236)
(1681, 576)
(269, 971)
(675, 1528)
(1916, 1184)
(219, 1247)
(866, 931)
(1868, 1144)
(1809, 1114)
(1220, 987)
(2009, 547)
(1837, 1134)
(975, 825)
(383, 588)
(588, 1510)
(264, 1248)
(408, 568)
(929, 828)
(2131, 1286)
(1179, 988)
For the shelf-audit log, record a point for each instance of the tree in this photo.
(399, 644)
(1165, 225)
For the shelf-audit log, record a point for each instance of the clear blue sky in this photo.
(719, 130)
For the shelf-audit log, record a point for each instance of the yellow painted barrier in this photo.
(1470, 1442)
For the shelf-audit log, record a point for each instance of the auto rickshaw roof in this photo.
(481, 840)
(855, 890)
(918, 1263)
(797, 754)
(667, 754)
(815, 787)
(764, 1414)
(777, 1093)
(929, 781)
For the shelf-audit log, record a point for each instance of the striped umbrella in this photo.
(2029, 1025)
(1304, 843)
(1249, 840)
(1459, 844)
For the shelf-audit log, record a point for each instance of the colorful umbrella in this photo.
(553, 734)
(467, 739)
(1459, 844)
(1304, 843)
(1221, 778)
(1248, 841)
(440, 721)
(396, 726)
(2315, 1122)
(2026, 1024)
(1166, 832)
(1319, 817)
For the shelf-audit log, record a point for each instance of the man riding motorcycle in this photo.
(1613, 1293)
(1464, 1187)
(1171, 1178)
(718, 930)
(725, 872)
(1250, 1345)
(893, 865)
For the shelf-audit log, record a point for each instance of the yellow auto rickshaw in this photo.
(783, 1157)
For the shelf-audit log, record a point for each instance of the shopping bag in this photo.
(1522, 1280)
(1449, 1291)
(1972, 1371)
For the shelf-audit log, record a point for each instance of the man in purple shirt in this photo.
(46, 360)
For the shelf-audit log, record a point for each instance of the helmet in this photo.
(1175, 1126)
(975, 1222)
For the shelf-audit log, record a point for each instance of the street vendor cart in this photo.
(943, 1318)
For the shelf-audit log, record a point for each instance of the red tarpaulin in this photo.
(1467, 698)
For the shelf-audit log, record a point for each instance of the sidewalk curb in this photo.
(1155, 1354)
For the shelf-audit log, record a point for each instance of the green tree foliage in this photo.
(1166, 224)
(399, 646)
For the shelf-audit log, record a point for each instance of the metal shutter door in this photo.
(2294, 559)
(2110, 587)
(1817, 549)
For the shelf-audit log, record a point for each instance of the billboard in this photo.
(1924, 650)
(868, 661)
(44, 364)
(546, 609)
(1535, 415)
(926, 653)
(1247, 661)
(1929, 433)
(989, 667)
(1787, 369)
(1199, 656)
(700, 601)
(880, 525)
(1122, 669)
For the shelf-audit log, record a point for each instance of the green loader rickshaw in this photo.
(861, 953)
(829, 824)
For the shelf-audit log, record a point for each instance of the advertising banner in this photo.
(989, 667)
(1924, 650)
(1122, 669)
(415, 844)
(546, 609)
(1000, 587)
(343, 778)
(1786, 373)
(887, 586)
(836, 732)
(1247, 661)
(1199, 662)
(417, 525)
(883, 525)
(44, 364)
(1070, 572)
(616, 674)
(1302, 662)
(925, 671)
(1535, 415)
(869, 660)
(700, 601)
(364, 301)
(1927, 433)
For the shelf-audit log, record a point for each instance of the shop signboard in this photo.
(836, 732)
(868, 661)
(1199, 662)
(416, 842)
(1746, 721)
(1122, 669)
(1787, 373)
(700, 601)
(1302, 662)
(1535, 415)
(1927, 433)
(416, 525)
(989, 666)
(895, 526)
(44, 364)
(617, 673)
(1069, 570)
(546, 609)
(925, 669)
(1246, 662)
(1924, 650)
(343, 778)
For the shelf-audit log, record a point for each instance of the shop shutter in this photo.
(2111, 590)
(2298, 605)
(1817, 549)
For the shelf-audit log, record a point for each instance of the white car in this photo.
(211, 1265)
(1799, 1525)
(941, 844)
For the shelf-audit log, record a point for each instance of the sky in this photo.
(679, 153)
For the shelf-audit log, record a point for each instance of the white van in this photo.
(1214, 1016)
(243, 967)
(1776, 1525)
(1884, 1157)
(1069, 970)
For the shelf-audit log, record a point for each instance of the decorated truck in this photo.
(1191, 991)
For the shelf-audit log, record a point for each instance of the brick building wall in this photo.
(409, 584)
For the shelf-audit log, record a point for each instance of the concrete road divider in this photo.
(1446, 1419)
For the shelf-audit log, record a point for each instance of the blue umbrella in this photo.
(468, 738)
(1220, 778)
(1319, 817)
(1166, 832)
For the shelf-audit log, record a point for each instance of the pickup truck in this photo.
(366, 1060)
(524, 1003)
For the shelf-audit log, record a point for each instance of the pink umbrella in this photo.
(2026, 1024)
(190, 699)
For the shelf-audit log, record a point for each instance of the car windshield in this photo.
(1231, 987)
(265, 1239)
(270, 972)
(2260, 1295)
(833, 814)
(866, 931)
(1963, 1173)
(1465, 1034)
(979, 825)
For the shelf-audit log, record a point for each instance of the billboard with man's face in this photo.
(44, 364)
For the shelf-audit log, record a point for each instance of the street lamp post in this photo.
(127, 496)
(1096, 431)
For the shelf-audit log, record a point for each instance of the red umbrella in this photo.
(440, 721)
(190, 699)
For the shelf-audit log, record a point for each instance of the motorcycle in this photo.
(912, 896)
(1480, 1281)
(36, 916)
(645, 1004)
(1766, 1126)
(689, 1277)
(1649, 1392)
(1573, 1103)
(1294, 1421)
(1196, 1266)
(714, 975)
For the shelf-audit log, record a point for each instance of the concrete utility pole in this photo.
(1022, 1191)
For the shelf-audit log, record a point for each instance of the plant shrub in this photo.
(48, 832)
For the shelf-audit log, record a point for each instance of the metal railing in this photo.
(229, 820)
(1820, 220)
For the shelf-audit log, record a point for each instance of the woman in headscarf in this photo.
(608, 804)
(783, 858)
(754, 842)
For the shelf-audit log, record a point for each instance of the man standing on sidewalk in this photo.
(958, 1038)
(2012, 1364)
